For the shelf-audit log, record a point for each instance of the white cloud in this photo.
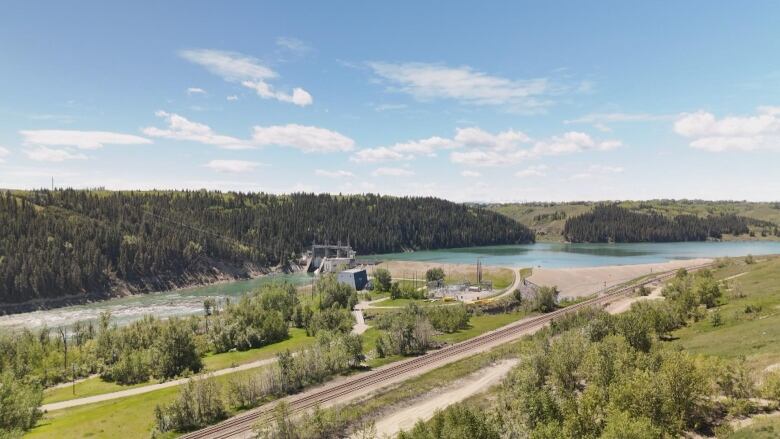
(511, 147)
(232, 166)
(299, 96)
(533, 171)
(427, 82)
(80, 139)
(571, 142)
(333, 174)
(391, 172)
(374, 155)
(404, 150)
(232, 98)
(180, 128)
(305, 138)
(46, 154)
(293, 45)
(195, 91)
(4, 152)
(470, 174)
(740, 133)
(247, 71)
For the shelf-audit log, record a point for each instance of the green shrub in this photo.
(199, 404)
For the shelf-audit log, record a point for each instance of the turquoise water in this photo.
(166, 304)
(551, 255)
(559, 255)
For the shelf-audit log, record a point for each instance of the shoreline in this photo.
(126, 290)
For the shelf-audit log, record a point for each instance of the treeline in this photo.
(612, 223)
(74, 242)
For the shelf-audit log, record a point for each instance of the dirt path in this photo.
(360, 323)
(150, 388)
(578, 282)
(478, 382)
(625, 305)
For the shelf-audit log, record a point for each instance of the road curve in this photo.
(344, 389)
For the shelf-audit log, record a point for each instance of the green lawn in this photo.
(212, 362)
(130, 417)
(298, 340)
(755, 336)
(481, 324)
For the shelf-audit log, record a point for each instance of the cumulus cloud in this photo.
(181, 128)
(732, 133)
(533, 171)
(404, 150)
(426, 82)
(247, 71)
(305, 138)
(80, 139)
(333, 174)
(195, 91)
(476, 146)
(391, 172)
(374, 155)
(510, 147)
(232, 166)
(46, 154)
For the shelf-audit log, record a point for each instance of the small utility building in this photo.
(357, 278)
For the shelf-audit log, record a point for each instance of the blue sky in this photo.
(489, 101)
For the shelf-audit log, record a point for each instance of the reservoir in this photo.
(549, 255)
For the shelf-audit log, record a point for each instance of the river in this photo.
(550, 255)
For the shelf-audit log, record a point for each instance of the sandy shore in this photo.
(577, 282)
(410, 269)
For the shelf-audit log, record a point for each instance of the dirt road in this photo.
(478, 382)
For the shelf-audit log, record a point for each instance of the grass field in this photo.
(481, 324)
(130, 417)
(212, 362)
(752, 335)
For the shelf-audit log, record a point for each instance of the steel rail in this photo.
(244, 423)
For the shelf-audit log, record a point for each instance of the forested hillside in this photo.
(612, 223)
(66, 242)
(548, 219)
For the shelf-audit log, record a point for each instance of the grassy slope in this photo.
(212, 362)
(754, 336)
(549, 230)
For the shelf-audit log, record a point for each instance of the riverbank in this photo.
(217, 274)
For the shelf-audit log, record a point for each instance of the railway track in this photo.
(241, 425)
